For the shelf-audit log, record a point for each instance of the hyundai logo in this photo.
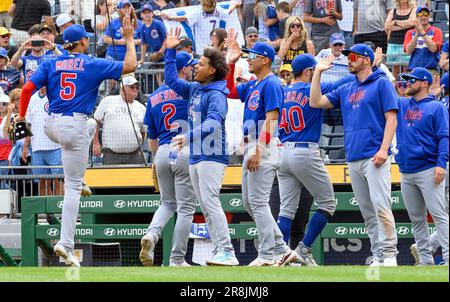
(235, 202)
(403, 230)
(119, 204)
(341, 230)
(109, 232)
(52, 232)
(252, 231)
(60, 204)
(353, 201)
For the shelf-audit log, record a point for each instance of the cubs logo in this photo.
(253, 100)
(29, 74)
(46, 106)
(154, 34)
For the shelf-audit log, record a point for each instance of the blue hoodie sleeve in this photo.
(388, 95)
(180, 86)
(334, 97)
(330, 86)
(441, 126)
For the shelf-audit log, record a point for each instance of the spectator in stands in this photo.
(44, 151)
(346, 24)
(218, 36)
(262, 18)
(47, 32)
(153, 36)
(423, 42)
(187, 45)
(114, 32)
(63, 21)
(283, 13)
(26, 14)
(119, 142)
(5, 17)
(159, 5)
(285, 74)
(5, 42)
(323, 19)
(340, 64)
(368, 21)
(5, 143)
(295, 40)
(399, 20)
(9, 77)
(251, 36)
(400, 86)
(101, 19)
(443, 62)
(246, 13)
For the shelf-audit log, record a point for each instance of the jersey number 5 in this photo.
(170, 110)
(287, 125)
(68, 88)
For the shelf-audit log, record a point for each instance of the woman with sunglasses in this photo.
(295, 40)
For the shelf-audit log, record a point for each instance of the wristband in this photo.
(264, 137)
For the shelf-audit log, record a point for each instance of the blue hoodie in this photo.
(363, 105)
(207, 112)
(422, 135)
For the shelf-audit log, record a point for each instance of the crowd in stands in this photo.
(411, 33)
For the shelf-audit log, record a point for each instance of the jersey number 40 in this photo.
(294, 113)
(68, 87)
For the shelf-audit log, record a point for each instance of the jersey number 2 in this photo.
(170, 110)
(287, 125)
(68, 88)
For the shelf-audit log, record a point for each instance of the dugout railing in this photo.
(89, 231)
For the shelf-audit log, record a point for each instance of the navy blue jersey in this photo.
(166, 115)
(9, 79)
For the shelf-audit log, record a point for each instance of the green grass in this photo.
(216, 274)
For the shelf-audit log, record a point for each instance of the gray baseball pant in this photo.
(372, 189)
(256, 188)
(177, 195)
(421, 194)
(434, 240)
(304, 167)
(74, 134)
(207, 178)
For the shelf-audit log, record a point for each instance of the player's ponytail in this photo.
(70, 46)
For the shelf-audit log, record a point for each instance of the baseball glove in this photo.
(155, 178)
(18, 130)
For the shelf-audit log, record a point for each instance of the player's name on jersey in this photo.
(70, 65)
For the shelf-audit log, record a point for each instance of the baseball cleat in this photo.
(376, 262)
(85, 190)
(304, 255)
(415, 253)
(67, 255)
(183, 264)
(286, 258)
(263, 262)
(223, 258)
(390, 261)
(146, 255)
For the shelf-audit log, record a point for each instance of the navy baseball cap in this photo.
(444, 81)
(337, 38)
(184, 59)
(302, 62)
(360, 49)
(262, 49)
(421, 8)
(419, 73)
(75, 33)
(123, 2)
(3, 52)
(146, 6)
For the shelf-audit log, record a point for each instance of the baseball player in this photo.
(300, 128)
(369, 110)
(166, 117)
(422, 143)
(72, 83)
(263, 99)
(206, 138)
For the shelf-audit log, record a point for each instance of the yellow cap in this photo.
(286, 67)
(4, 31)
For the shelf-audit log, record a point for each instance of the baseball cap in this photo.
(262, 49)
(75, 33)
(400, 78)
(129, 79)
(63, 19)
(286, 67)
(146, 6)
(302, 62)
(421, 8)
(360, 49)
(444, 81)
(4, 31)
(46, 27)
(419, 73)
(4, 98)
(251, 30)
(123, 2)
(337, 38)
(3, 52)
(185, 41)
(184, 59)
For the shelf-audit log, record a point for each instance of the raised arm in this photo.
(316, 99)
(234, 54)
(130, 61)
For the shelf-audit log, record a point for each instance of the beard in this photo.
(412, 91)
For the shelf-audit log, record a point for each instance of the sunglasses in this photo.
(353, 57)
(424, 14)
(411, 80)
(402, 84)
(338, 44)
(295, 25)
(252, 56)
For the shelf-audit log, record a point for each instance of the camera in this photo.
(37, 43)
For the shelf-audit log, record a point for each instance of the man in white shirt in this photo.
(119, 142)
(340, 64)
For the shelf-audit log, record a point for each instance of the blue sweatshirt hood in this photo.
(219, 86)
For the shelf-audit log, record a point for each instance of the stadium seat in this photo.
(337, 156)
(337, 141)
(326, 129)
(338, 129)
(324, 141)
(440, 16)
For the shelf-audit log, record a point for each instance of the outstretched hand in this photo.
(173, 38)
(234, 50)
(325, 63)
(378, 58)
(128, 28)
